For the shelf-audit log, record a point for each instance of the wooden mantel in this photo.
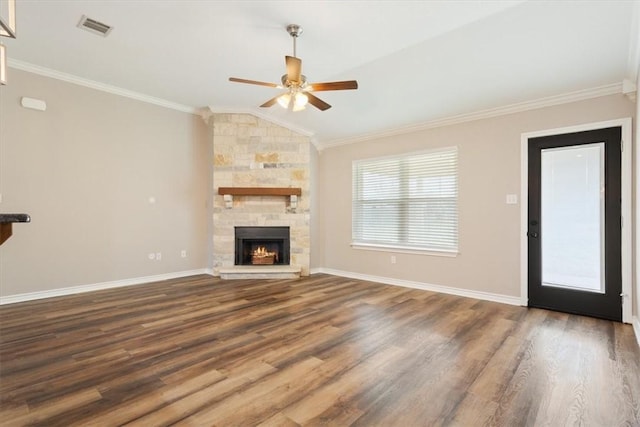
(260, 191)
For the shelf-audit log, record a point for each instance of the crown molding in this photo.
(482, 114)
(69, 78)
(629, 89)
(322, 145)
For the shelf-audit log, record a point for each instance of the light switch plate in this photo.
(512, 199)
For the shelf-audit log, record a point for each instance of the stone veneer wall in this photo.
(252, 152)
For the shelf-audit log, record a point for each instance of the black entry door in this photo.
(574, 223)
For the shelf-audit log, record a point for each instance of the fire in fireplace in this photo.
(263, 256)
(262, 245)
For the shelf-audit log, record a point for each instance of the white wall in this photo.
(84, 170)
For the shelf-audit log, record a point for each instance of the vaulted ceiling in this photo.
(416, 62)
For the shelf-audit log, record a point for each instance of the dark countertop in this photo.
(14, 217)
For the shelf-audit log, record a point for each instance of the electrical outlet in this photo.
(158, 256)
(183, 253)
(152, 256)
(393, 259)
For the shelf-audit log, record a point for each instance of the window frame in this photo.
(403, 202)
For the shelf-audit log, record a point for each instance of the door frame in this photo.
(626, 191)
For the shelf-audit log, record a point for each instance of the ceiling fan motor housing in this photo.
(287, 83)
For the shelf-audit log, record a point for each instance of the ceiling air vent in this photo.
(94, 26)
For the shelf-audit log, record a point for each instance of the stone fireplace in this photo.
(250, 152)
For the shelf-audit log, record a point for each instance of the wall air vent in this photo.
(94, 26)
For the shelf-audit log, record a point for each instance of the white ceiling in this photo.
(415, 61)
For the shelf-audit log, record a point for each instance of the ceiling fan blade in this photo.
(349, 84)
(252, 82)
(270, 102)
(294, 68)
(317, 102)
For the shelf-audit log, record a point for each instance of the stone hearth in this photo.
(260, 272)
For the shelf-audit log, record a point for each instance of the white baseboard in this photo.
(11, 299)
(315, 271)
(636, 328)
(486, 296)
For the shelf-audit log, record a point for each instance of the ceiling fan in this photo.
(298, 90)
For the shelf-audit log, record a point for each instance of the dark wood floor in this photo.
(317, 351)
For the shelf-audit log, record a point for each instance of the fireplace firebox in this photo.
(262, 246)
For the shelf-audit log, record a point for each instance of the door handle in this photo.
(532, 234)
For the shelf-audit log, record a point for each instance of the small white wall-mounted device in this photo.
(33, 104)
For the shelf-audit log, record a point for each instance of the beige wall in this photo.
(85, 170)
(316, 233)
(489, 169)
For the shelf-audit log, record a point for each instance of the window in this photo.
(407, 202)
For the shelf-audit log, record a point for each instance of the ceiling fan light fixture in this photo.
(284, 100)
(294, 100)
(300, 101)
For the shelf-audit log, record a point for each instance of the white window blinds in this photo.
(407, 202)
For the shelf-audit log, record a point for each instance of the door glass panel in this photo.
(572, 217)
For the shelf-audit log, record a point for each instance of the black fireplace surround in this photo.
(273, 239)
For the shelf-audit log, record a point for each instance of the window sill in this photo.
(404, 250)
